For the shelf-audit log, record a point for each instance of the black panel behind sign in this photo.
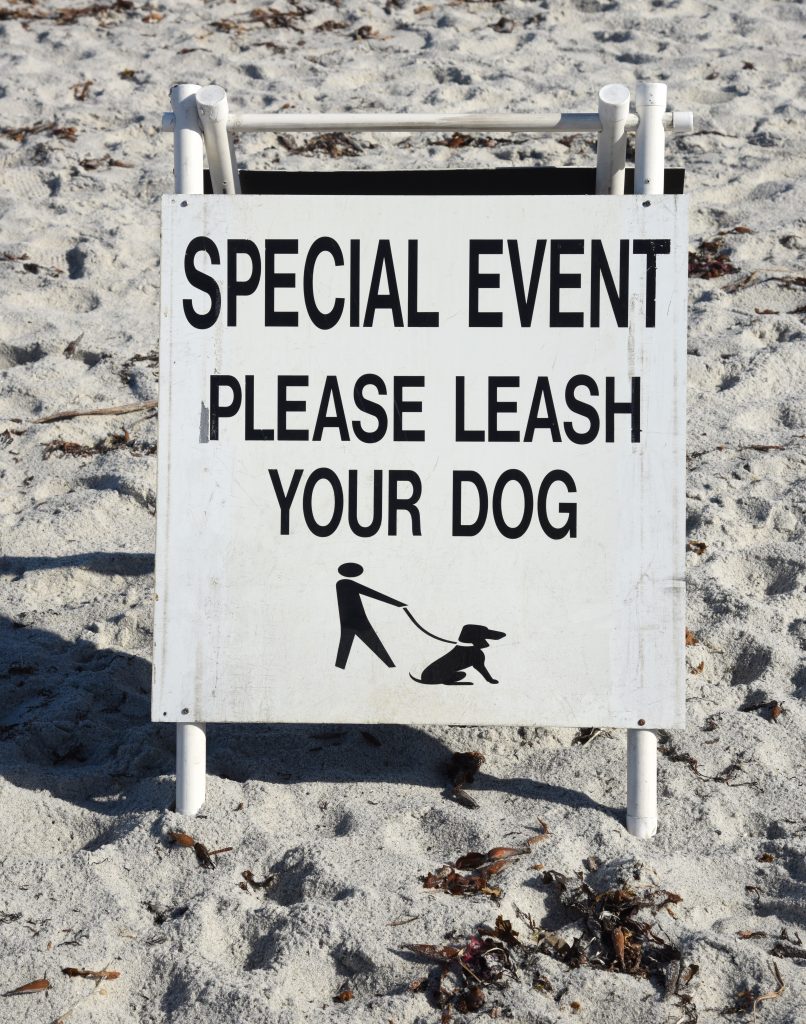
(509, 181)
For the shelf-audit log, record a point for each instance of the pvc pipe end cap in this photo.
(651, 94)
(181, 91)
(211, 96)
(642, 828)
(682, 121)
(616, 96)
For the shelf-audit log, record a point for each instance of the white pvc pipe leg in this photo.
(642, 744)
(191, 766)
(191, 740)
(642, 783)
(211, 103)
(611, 150)
(650, 103)
(188, 142)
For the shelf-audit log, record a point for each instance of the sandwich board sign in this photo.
(422, 459)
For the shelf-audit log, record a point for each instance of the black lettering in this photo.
(217, 410)
(338, 419)
(377, 504)
(404, 504)
(526, 302)
(568, 508)
(277, 317)
(458, 528)
(600, 271)
(197, 279)
(558, 281)
(375, 409)
(326, 529)
(324, 321)
(542, 393)
(463, 434)
(581, 409)
(415, 317)
(250, 434)
(355, 281)
(240, 247)
(401, 406)
(512, 476)
(284, 499)
(285, 405)
(651, 247)
(613, 408)
(391, 300)
(477, 280)
(494, 407)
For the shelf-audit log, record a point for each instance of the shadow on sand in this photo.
(75, 720)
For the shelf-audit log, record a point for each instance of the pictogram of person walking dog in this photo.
(449, 670)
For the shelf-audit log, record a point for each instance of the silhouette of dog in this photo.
(449, 669)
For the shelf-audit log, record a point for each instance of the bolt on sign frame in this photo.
(201, 121)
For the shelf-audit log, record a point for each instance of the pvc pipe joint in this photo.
(650, 94)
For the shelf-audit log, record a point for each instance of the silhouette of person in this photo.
(353, 618)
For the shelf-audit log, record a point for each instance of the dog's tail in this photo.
(416, 680)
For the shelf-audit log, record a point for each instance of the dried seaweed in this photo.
(32, 986)
(181, 839)
(112, 442)
(773, 708)
(474, 883)
(93, 163)
(345, 993)
(481, 962)
(618, 935)
(334, 144)
(27, 264)
(250, 882)
(671, 752)
(462, 770)
(203, 855)
(584, 736)
(38, 128)
(748, 1000)
(461, 141)
(264, 17)
(66, 15)
(79, 972)
(710, 260)
(164, 913)
(470, 874)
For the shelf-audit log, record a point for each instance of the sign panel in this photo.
(422, 460)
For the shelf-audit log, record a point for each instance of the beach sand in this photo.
(350, 819)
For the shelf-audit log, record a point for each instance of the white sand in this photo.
(349, 827)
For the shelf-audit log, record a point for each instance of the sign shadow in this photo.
(75, 720)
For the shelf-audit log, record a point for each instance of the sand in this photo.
(350, 825)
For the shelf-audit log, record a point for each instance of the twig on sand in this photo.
(97, 976)
(110, 410)
(748, 1001)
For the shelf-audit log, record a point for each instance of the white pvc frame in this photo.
(200, 120)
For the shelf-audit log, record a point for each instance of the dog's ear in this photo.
(471, 634)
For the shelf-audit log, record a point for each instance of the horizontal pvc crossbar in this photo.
(678, 122)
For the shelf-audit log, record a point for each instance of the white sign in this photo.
(422, 460)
